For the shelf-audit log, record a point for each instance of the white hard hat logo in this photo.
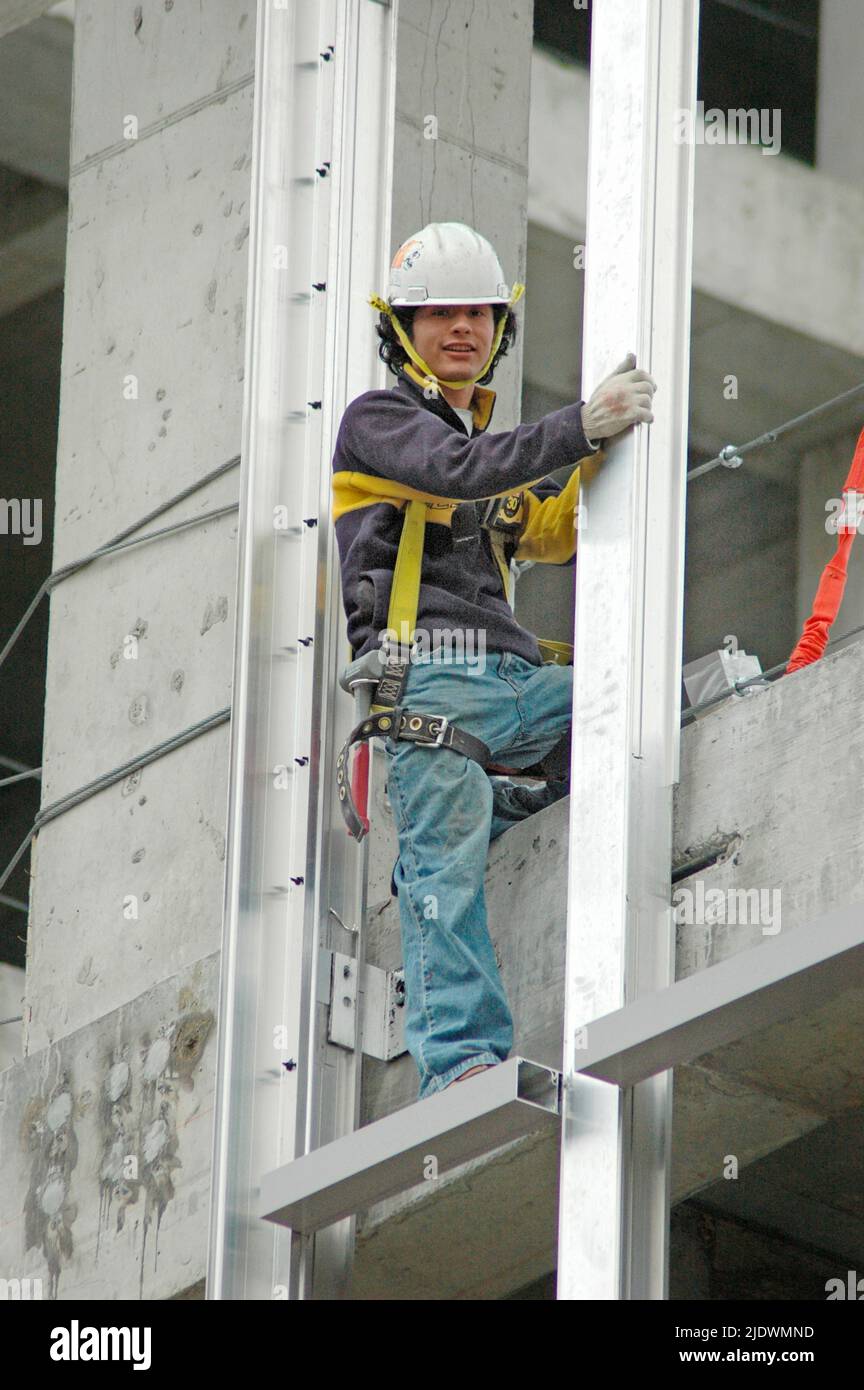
(405, 257)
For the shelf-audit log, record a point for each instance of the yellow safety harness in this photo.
(503, 517)
(387, 717)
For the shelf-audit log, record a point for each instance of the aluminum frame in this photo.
(323, 122)
(614, 1190)
(502, 1104)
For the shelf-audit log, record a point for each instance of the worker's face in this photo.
(454, 339)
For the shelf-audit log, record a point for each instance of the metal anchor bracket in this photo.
(379, 995)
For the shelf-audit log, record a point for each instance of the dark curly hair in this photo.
(391, 351)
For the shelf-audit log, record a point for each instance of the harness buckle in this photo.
(403, 653)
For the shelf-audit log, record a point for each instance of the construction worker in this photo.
(447, 321)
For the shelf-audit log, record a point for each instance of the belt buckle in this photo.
(445, 723)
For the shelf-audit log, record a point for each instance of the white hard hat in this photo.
(446, 263)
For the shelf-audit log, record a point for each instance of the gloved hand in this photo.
(622, 399)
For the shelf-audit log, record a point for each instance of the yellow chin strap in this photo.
(383, 307)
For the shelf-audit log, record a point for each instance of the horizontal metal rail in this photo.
(462, 1122)
(783, 978)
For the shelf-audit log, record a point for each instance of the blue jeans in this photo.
(447, 809)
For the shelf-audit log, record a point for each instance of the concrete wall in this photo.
(151, 396)
(466, 66)
(716, 1258)
(105, 1149)
(127, 887)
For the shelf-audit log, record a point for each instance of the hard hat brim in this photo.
(402, 301)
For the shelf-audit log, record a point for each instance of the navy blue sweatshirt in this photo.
(397, 444)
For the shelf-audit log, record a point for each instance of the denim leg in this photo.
(457, 1014)
(456, 1010)
(543, 703)
(514, 801)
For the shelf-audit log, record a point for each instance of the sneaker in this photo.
(483, 1067)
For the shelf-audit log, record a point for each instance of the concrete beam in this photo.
(794, 1192)
(36, 100)
(35, 108)
(14, 14)
(777, 217)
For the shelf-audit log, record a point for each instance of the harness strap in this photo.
(404, 595)
(433, 730)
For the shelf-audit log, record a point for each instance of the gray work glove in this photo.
(622, 399)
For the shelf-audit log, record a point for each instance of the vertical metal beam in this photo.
(613, 1215)
(322, 85)
(359, 253)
